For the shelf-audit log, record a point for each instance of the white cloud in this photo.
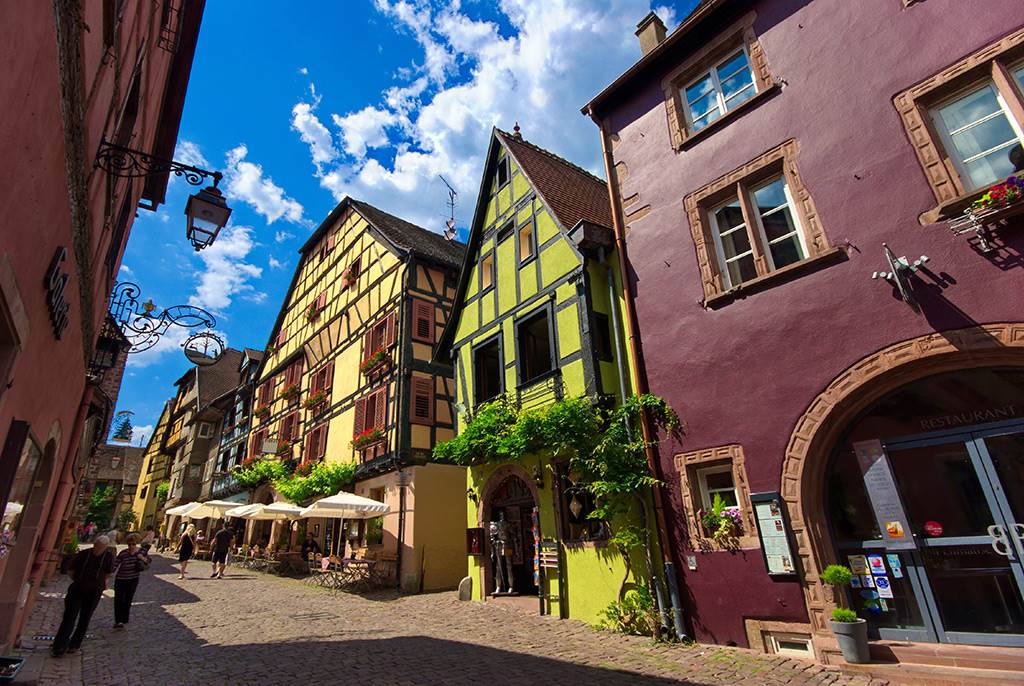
(189, 153)
(126, 271)
(304, 71)
(282, 236)
(141, 434)
(667, 15)
(246, 182)
(276, 263)
(313, 133)
(436, 118)
(226, 274)
(364, 129)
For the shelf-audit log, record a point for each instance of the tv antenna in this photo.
(450, 231)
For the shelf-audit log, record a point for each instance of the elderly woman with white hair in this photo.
(89, 570)
(186, 546)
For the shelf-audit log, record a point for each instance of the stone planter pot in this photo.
(853, 640)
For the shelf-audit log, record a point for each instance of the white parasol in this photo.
(345, 505)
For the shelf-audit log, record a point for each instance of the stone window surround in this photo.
(988, 63)
(740, 33)
(687, 465)
(780, 159)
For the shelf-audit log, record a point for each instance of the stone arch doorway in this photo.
(831, 413)
(510, 491)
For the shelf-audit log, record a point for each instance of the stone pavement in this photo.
(251, 628)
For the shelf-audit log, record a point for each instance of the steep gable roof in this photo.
(411, 238)
(570, 192)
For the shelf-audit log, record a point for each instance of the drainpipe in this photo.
(613, 304)
(668, 551)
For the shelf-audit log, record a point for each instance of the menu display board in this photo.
(773, 530)
(885, 499)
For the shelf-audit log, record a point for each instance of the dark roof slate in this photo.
(219, 377)
(411, 238)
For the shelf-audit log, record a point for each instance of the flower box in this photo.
(314, 400)
(377, 361)
(367, 438)
(349, 277)
(262, 412)
(998, 204)
(284, 448)
(290, 392)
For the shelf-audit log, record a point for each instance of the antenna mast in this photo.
(450, 232)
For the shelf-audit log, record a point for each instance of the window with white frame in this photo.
(205, 429)
(718, 90)
(980, 134)
(714, 481)
(776, 234)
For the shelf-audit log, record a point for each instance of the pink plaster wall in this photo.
(746, 372)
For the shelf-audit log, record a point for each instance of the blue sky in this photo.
(300, 104)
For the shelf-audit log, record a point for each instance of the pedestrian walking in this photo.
(186, 546)
(128, 564)
(221, 545)
(89, 571)
(148, 540)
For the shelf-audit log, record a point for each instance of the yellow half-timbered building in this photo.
(349, 376)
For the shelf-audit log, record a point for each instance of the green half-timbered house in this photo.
(537, 318)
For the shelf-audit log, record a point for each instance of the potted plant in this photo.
(315, 399)
(722, 523)
(290, 392)
(376, 359)
(367, 437)
(850, 630)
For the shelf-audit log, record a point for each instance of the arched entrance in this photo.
(833, 415)
(511, 493)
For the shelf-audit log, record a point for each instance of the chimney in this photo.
(651, 32)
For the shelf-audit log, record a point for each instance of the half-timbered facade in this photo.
(537, 320)
(156, 469)
(349, 376)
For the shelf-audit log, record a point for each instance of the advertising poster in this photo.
(885, 500)
(858, 564)
(876, 564)
(774, 536)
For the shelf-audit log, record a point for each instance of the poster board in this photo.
(774, 532)
(885, 499)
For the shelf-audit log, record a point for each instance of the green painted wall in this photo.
(555, 278)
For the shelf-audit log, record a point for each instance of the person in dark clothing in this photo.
(309, 546)
(186, 546)
(221, 545)
(129, 564)
(89, 570)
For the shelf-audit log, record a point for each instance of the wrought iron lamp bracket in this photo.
(127, 163)
(143, 327)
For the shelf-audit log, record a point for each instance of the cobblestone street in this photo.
(257, 629)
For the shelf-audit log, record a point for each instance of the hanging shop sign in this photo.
(773, 530)
(885, 499)
(55, 282)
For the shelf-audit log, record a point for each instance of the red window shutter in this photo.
(321, 447)
(380, 409)
(253, 452)
(368, 344)
(389, 335)
(309, 446)
(360, 420)
(329, 377)
(331, 237)
(423, 321)
(282, 336)
(321, 301)
(422, 400)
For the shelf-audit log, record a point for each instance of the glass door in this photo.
(959, 510)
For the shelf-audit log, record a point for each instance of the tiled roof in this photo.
(219, 377)
(412, 238)
(571, 192)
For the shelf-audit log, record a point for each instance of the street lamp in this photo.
(206, 211)
(207, 214)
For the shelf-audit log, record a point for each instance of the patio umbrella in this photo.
(211, 508)
(181, 510)
(242, 511)
(279, 510)
(344, 505)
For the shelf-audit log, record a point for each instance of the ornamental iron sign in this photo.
(143, 325)
(55, 282)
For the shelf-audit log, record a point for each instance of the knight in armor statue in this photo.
(501, 553)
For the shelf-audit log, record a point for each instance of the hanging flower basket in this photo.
(377, 360)
(290, 392)
(315, 399)
(367, 438)
(304, 469)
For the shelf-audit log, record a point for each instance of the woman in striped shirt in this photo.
(129, 564)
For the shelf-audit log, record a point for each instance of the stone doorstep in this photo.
(908, 674)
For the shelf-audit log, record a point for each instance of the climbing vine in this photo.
(320, 479)
(252, 472)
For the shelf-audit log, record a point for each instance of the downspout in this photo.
(667, 551)
(401, 427)
(613, 304)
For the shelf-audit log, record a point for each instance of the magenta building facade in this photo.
(760, 155)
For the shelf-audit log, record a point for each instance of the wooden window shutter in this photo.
(321, 301)
(422, 400)
(331, 237)
(380, 409)
(389, 335)
(360, 420)
(368, 344)
(282, 336)
(423, 321)
(329, 377)
(309, 449)
(321, 440)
